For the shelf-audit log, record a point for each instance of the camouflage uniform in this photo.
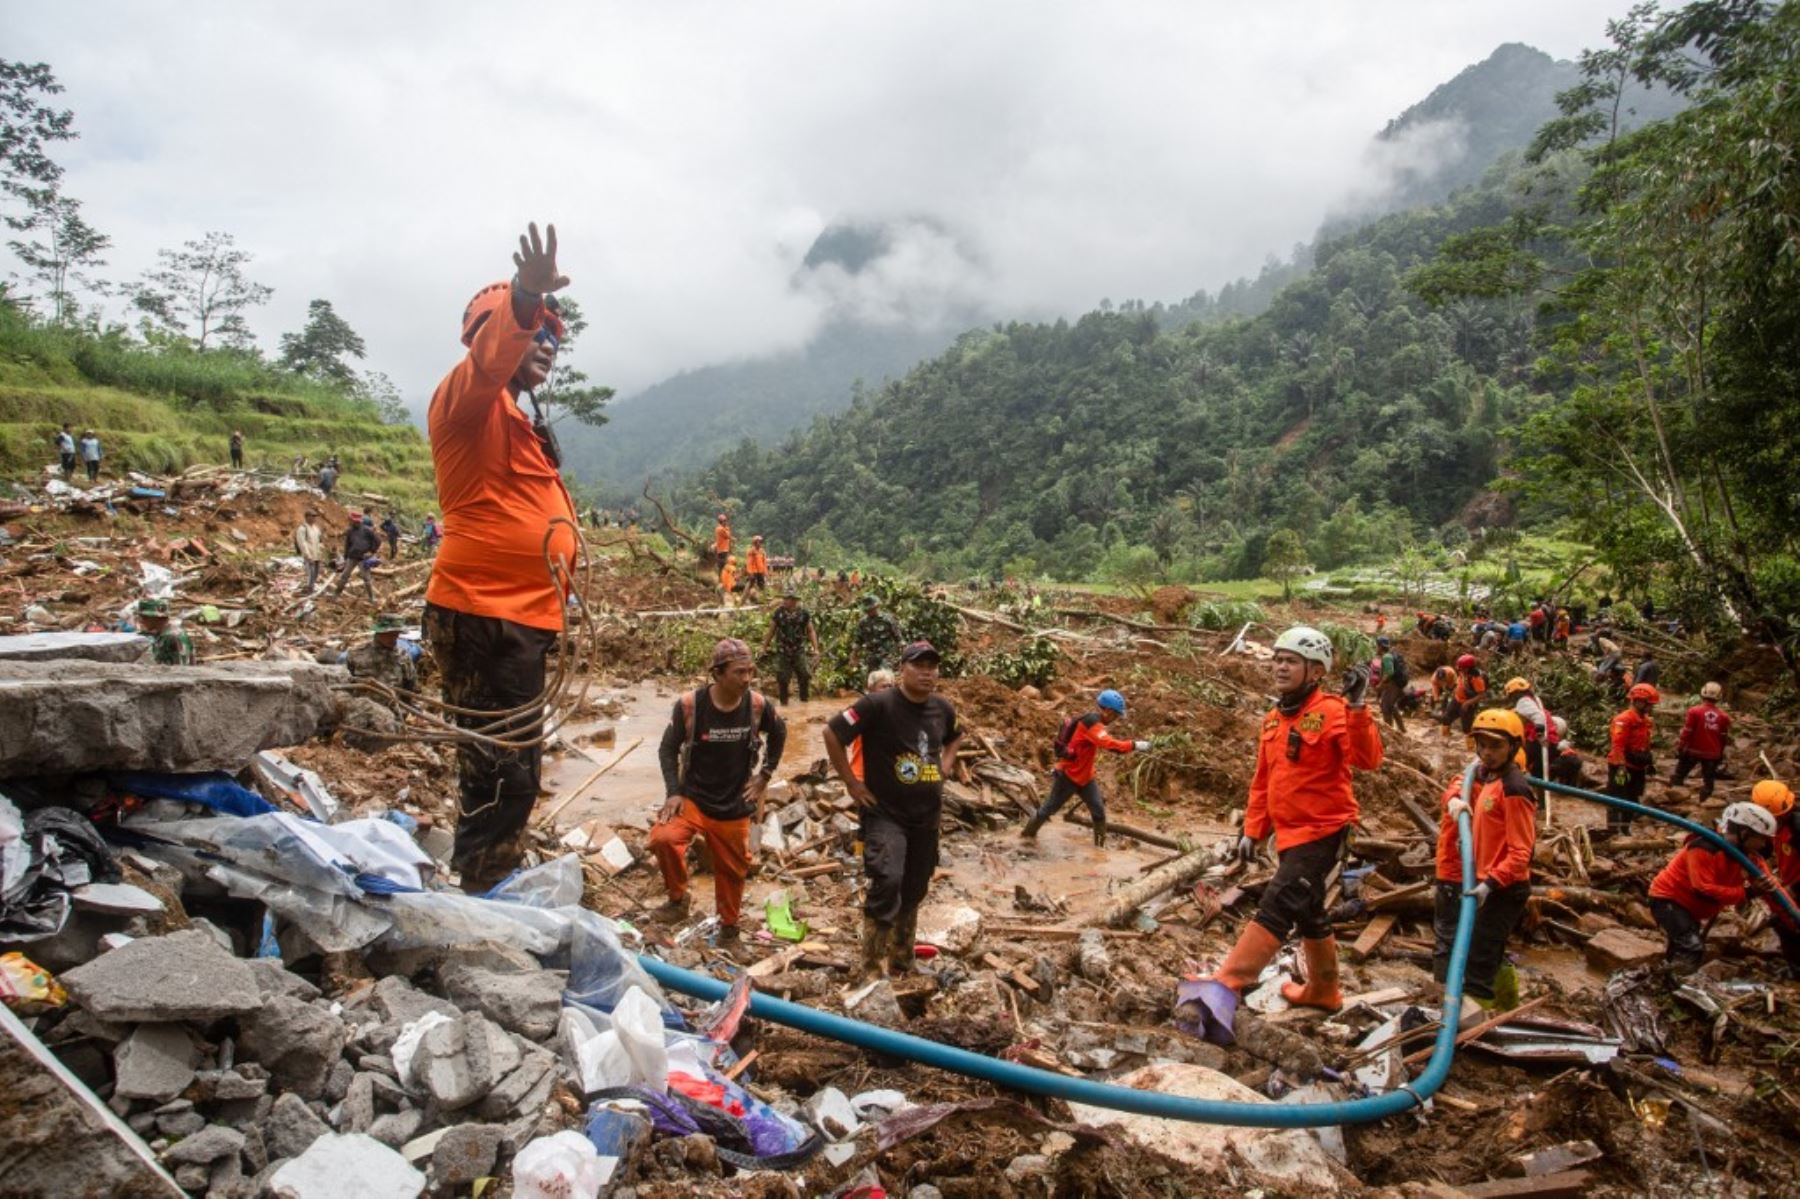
(380, 664)
(377, 662)
(170, 648)
(791, 649)
(877, 640)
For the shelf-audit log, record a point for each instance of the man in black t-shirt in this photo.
(909, 737)
(709, 757)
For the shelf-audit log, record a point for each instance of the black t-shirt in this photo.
(902, 742)
(725, 752)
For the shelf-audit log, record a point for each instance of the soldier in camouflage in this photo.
(381, 658)
(877, 640)
(167, 648)
(793, 633)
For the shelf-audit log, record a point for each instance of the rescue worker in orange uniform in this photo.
(1301, 793)
(1701, 880)
(492, 609)
(722, 539)
(1077, 748)
(756, 567)
(1502, 812)
(728, 581)
(1465, 695)
(1628, 761)
(1775, 798)
(1704, 734)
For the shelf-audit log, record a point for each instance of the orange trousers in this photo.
(728, 841)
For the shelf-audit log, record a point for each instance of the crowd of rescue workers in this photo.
(493, 614)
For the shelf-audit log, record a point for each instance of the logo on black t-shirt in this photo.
(911, 769)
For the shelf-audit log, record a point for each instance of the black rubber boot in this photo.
(1099, 834)
(1031, 827)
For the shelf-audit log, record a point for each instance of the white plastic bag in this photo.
(638, 1021)
(406, 1046)
(564, 1166)
(599, 1058)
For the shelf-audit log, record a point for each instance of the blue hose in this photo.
(1099, 1094)
(1750, 865)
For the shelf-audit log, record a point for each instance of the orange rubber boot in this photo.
(1321, 989)
(1256, 947)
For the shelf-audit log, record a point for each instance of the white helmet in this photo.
(1308, 643)
(1754, 817)
(1711, 691)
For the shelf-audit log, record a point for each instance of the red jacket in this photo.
(1503, 818)
(1307, 797)
(1701, 878)
(1703, 733)
(1630, 740)
(1085, 743)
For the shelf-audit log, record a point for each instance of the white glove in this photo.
(1457, 807)
(1481, 892)
(1246, 849)
(1141, 746)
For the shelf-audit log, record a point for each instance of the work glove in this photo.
(1457, 807)
(1246, 849)
(1356, 685)
(1482, 890)
(1141, 746)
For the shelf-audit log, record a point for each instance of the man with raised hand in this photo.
(492, 608)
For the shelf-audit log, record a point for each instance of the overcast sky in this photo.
(385, 156)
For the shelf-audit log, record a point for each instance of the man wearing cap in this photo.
(492, 608)
(360, 547)
(909, 735)
(167, 648)
(756, 568)
(382, 659)
(718, 754)
(792, 631)
(876, 638)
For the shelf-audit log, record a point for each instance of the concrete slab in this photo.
(95, 647)
(71, 717)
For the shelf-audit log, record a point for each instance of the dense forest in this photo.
(1606, 329)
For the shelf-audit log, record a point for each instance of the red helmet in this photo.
(1644, 691)
(1467, 662)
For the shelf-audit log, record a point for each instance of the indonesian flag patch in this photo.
(850, 716)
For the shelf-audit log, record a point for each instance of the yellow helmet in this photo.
(1773, 796)
(1498, 720)
(1515, 685)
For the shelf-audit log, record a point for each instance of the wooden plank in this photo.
(816, 870)
(1377, 998)
(775, 963)
(1059, 933)
(743, 1063)
(1570, 1184)
(1372, 936)
(1397, 896)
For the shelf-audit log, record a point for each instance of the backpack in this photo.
(1065, 736)
(1399, 674)
(690, 704)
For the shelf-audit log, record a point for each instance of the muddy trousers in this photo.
(1295, 897)
(1623, 782)
(1709, 771)
(1686, 936)
(491, 665)
(1062, 790)
(368, 580)
(727, 841)
(789, 668)
(313, 566)
(1494, 923)
(1389, 698)
(898, 861)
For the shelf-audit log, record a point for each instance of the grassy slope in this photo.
(151, 425)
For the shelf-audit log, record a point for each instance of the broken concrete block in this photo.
(615, 855)
(184, 976)
(218, 1086)
(513, 1093)
(464, 1153)
(357, 1111)
(453, 1062)
(829, 1109)
(116, 899)
(73, 717)
(291, 1127)
(180, 1124)
(1620, 949)
(397, 1128)
(877, 1004)
(528, 1003)
(399, 1002)
(334, 1162)
(953, 928)
(206, 1146)
(273, 978)
(1287, 1159)
(297, 1042)
(155, 1062)
(92, 647)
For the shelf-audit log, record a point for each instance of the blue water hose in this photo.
(1713, 836)
(1033, 1081)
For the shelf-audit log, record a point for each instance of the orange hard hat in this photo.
(1773, 796)
(1644, 691)
(491, 299)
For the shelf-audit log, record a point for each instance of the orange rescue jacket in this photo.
(1630, 739)
(497, 489)
(1701, 878)
(756, 562)
(1084, 746)
(1301, 789)
(722, 539)
(1503, 819)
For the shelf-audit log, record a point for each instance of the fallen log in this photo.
(1132, 832)
(1176, 874)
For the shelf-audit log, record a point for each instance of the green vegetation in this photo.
(160, 410)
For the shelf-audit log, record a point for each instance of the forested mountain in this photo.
(1350, 412)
